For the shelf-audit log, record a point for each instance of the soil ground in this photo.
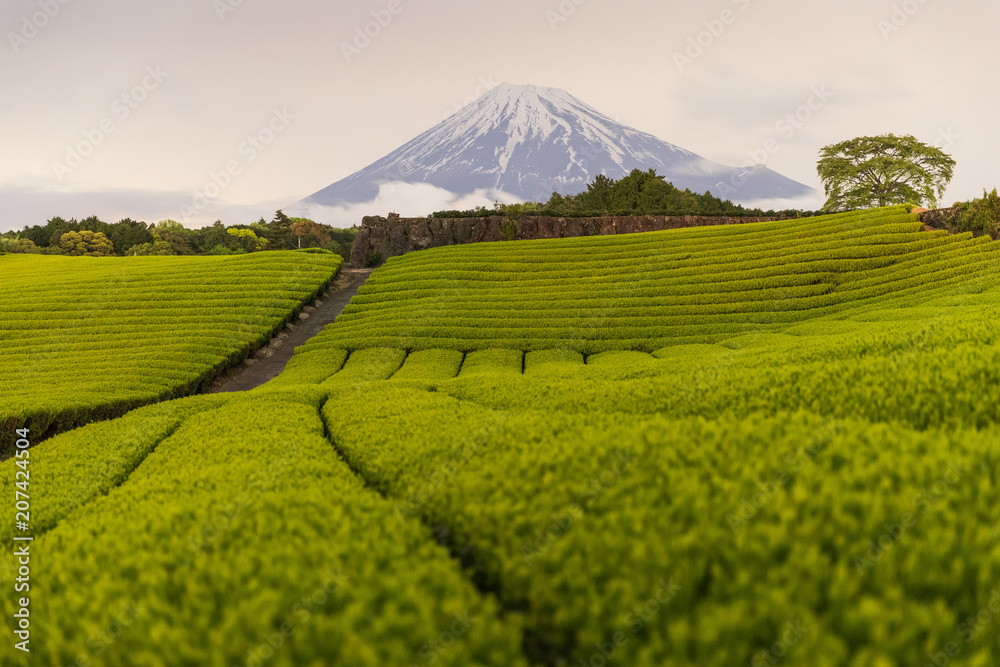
(269, 361)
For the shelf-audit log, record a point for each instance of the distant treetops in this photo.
(861, 173)
(639, 193)
(96, 238)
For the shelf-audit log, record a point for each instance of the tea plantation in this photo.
(753, 445)
(89, 338)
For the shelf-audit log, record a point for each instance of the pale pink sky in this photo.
(167, 93)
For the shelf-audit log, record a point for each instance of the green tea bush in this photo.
(646, 291)
(82, 340)
(767, 444)
(244, 539)
(728, 529)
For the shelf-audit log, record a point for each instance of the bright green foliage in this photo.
(309, 368)
(493, 362)
(880, 171)
(82, 339)
(926, 367)
(367, 365)
(582, 518)
(548, 362)
(244, 539)
(91, 244)
(758, 445)
(644, 292)
(25, 247)
(248, 239)
(87, 463)
(430, 365)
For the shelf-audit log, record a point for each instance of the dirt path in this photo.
(269, 361)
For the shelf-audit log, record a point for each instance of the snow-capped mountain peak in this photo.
(530, 141)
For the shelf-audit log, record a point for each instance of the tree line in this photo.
(639, 193)
(96, 238)
(860, 173)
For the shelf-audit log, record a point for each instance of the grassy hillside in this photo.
(778, 445)
(86, 338)
(649, 291)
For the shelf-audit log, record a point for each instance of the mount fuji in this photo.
(528, 142)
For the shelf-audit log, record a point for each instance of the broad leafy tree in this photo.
(93, 244)
(157, 247)
(248, 239)
(176, 235)
(25, 246)
(127, 234)
(881, 171)
(302, 227)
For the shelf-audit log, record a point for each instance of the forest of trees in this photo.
(95, 237)
(639, 193)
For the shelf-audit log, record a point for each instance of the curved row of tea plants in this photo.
(225, 530)
(85, 338)
(693, 542)
(698, 482)
(648, 291)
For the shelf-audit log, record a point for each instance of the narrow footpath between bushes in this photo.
(269, 361)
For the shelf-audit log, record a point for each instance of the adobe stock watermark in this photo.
(121, 109)
(698, 44)
(562, 13)
(790, 125)
(946, 138)
(794, 631)
(430, 652)
(32, 25)
(365, 34)
(587, 495)
(969, 630)
(300, 613)
(795, 461)
(641, 616)
(923, 501)
(900, 16)
(248, 151)
(224, 7)
(99, 642)
(484, 86)
(785, 129)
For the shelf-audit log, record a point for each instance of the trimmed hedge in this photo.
(84, 339)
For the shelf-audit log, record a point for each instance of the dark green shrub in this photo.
(980, 215)
(508, 229)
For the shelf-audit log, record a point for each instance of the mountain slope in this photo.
(529, 141)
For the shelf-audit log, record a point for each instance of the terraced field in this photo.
(645, 292)
(82, 339)
(766, 444)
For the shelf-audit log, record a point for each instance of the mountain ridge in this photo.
(529, 141)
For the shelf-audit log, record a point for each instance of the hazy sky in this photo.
(128, 107)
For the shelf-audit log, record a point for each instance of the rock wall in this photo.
(382, 238)
(942, 218)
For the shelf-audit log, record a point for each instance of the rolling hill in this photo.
(759, 444)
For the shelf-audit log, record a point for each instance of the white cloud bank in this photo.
(408, 199)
